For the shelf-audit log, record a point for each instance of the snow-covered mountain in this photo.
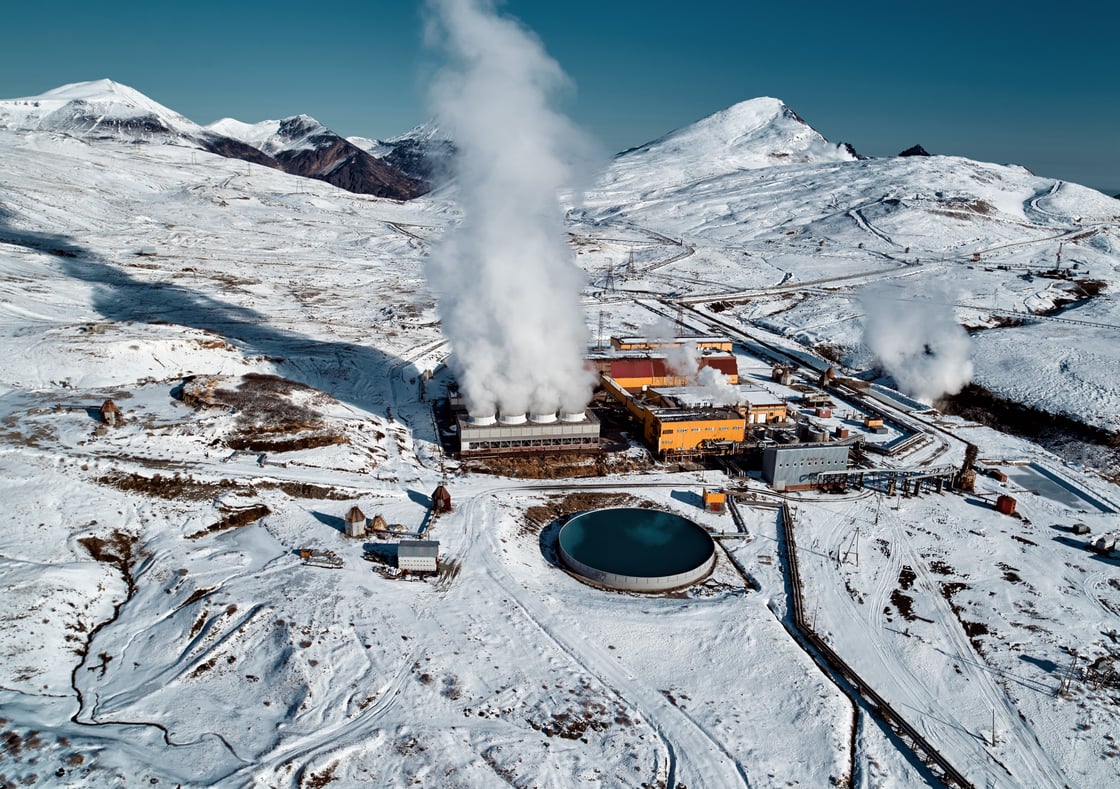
(754, 134)
(104, 110)
(302, 145)
(101, 109)
(422, 152)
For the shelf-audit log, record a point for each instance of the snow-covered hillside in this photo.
(265, 337)
(101, 109)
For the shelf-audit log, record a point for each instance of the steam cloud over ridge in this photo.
(508, 290)
(917, 341)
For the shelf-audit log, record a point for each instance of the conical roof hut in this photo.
(355, 515)
(441, 500)
(110, 414)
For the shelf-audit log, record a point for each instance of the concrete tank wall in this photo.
(636, 583)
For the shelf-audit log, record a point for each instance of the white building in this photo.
(418, 556)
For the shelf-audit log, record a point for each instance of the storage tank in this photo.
(636, 550)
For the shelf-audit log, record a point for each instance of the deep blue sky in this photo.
(1027, 82)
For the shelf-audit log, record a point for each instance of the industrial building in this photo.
(505, 434)
(796, 466)
(673, 429)
(418, 556)
(635, 372)
(701, 343)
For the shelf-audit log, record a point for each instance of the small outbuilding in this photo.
(418, 556)
(1080, 528)
(1006, 505)
(379, 524)
(355, 522)
(715, 500)
(441, 500)
(110, 414)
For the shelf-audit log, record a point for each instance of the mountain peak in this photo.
(97, 109)
(753, 134)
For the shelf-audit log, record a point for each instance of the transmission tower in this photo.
(853, 547)
(608, 284)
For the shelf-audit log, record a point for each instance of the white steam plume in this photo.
(682, 359)
(508, 289)
(716, 388)
(917, 341)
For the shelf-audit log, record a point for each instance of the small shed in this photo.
(1080, 528)
(441, 500)
(418, 556)
(355, 522)
(715, 500)
(1006, 505)
(379, 524)
(110, 414)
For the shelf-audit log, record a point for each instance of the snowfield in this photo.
(159, 627)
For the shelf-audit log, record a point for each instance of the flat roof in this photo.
(418, 548)
(666, 340)
(698, 396)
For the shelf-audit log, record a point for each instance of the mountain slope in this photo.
(300, 145)
(759, 133)
(101, 109)
(104, 110)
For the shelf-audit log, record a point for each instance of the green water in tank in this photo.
(636, 542)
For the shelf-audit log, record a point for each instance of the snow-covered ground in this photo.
(196, 655)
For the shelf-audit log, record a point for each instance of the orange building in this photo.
(679, 430)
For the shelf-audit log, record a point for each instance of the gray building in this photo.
(542, 433)
(795, 467)
(418, 556)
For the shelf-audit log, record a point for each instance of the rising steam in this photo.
(508, 289)
(918, 342)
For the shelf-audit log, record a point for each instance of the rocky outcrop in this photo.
(916, 150)
(235, 149)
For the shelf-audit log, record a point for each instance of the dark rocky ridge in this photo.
(429, 161)
(235, 149)
(338, 162)
(328, 158)
(915, 150)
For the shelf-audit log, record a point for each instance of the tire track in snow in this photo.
(1021, 749)
(684, 739)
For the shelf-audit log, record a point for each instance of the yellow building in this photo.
(680, 430)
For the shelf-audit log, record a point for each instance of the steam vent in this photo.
(636, 550)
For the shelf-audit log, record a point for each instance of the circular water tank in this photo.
(636, 550)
